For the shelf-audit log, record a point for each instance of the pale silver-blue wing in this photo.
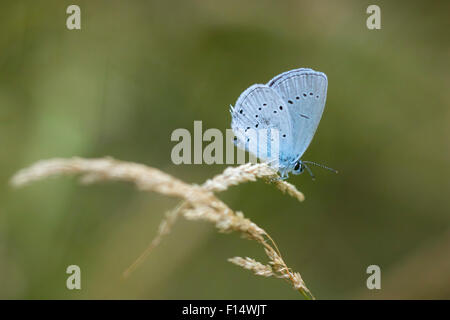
(305, 92)
(257, 108)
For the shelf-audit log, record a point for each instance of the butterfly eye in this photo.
(297, 166)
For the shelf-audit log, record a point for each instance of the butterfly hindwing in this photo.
(304, 91)
(258, 108)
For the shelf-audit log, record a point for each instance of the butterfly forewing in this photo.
(304, 92)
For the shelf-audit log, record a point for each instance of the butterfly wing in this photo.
(305, 93)
(258, 108)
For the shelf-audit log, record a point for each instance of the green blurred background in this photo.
(137, 70)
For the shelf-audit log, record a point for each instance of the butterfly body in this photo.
(291, 104)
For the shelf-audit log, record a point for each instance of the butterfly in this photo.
(287, 110)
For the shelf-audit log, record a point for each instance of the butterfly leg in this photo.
(278, 179)
(284, 176)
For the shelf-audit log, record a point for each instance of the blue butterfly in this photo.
(290, 104)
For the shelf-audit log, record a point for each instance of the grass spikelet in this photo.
(233, 176)
(199, 203)
(289, 189)
(227, 223)
(106, 169)
(251, 264)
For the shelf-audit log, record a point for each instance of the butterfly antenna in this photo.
(321, 165)
(309, 171)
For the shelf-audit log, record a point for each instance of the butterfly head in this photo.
(299, 167)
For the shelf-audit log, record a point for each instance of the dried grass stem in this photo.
(199, 203)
